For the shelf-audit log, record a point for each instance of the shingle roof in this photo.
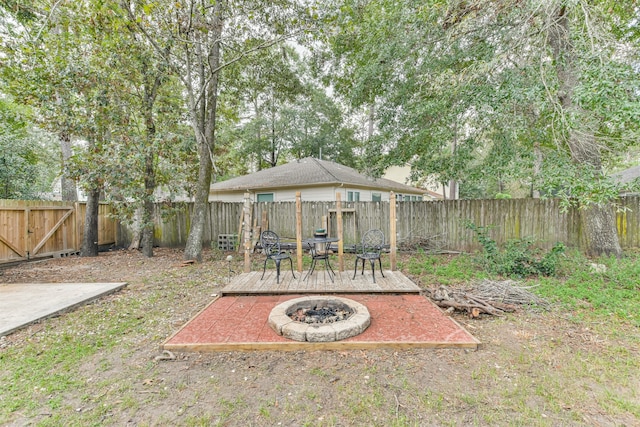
(628, 175)
(309, 172)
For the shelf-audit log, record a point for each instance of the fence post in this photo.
(392, 230)
(299, 231)
(247, 232)
(341, 241)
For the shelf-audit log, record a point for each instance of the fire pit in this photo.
(319, 318)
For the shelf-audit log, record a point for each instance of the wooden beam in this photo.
(316, 346)
(247, 232)
(51, 232)
(27, 232)
(299, 231)
(340, 231)
(392, 230)
(77, 230)
(12, 247)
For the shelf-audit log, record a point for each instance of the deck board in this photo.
(319, 282)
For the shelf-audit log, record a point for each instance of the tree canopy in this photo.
(460, 87)
(491, 97)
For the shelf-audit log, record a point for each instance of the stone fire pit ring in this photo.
(283, 324)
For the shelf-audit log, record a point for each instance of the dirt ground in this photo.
(531, 369)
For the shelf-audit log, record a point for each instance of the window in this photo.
(376, 197)
(265, 197)
(353, 196)
(407, 198)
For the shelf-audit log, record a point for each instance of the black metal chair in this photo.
(270, 243)
(372, 244)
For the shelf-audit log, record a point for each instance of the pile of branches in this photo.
(488, 296)
(430, 244)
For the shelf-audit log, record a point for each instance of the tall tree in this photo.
(267, 88)
(597, 219)
(103, 86)
(27, 156)
(316, 127)
(154, 113)
(207, 37)
(456, 82)
(289, 114)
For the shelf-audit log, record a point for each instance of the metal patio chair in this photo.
(270, 243)
(372, 244)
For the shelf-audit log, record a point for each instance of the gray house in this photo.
(316, 180)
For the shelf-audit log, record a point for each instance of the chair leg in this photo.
(277, 271)
(355, 269)
(373, 269)
(264, 268)
(292, 273)
(380, 262)
(362, 267)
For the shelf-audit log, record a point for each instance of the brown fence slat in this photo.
(30, 228)
(541, 220)
(52, 231)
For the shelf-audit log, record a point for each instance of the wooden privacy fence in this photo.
(439, 224)
(37, 228)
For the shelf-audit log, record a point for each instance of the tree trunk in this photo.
(598, 222)
(68, 191)
(193, 247)
(453, 189)
(204, 123)
(537, 167)
(453, 185)
(148, 230)
(148, 227)
(147, 215)
(600, 234)
(136, 226)
(273, 161)
(371, 120)
(90, 237)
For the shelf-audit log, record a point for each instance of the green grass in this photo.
(446, 270)
(45, 368)
(605, 311)
(90, 359)
(48, 365)
(613, 295)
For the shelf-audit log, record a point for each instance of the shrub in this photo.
(518, 257)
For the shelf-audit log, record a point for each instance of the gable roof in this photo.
(309, 172)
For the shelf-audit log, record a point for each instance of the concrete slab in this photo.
(24, 303)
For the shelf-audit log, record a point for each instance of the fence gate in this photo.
(37, 231)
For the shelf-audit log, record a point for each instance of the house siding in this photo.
(317, 194)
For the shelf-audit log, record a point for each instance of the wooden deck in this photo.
(319, 282)
(238, 318)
